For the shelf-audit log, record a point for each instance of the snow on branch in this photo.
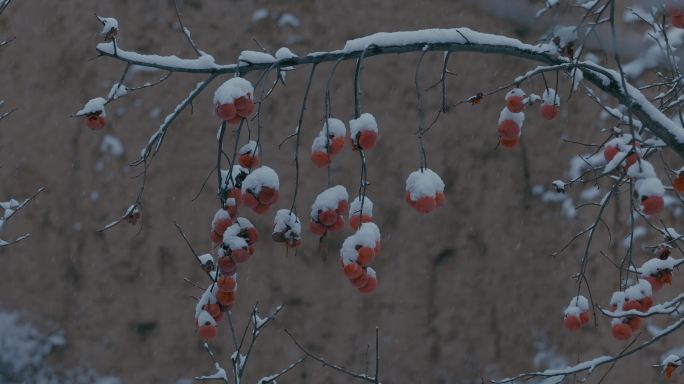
(446, 40)
(590, 365)
(11, 207)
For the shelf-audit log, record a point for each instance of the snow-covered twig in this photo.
(186, 32)
(273, 378)
(590, 365)
(11, 208)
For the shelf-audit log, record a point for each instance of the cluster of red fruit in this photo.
(260, 189)
(217, 299)
(626, 150)
(287, 229)
(328, 210)
(639, 297)
(357, 253)
(424, 190)
(576, 314)
(512, 116)
(329, 142)
(235, 237)
(635, 298)
(658, 271)
(233, 100)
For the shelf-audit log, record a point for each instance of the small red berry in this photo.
(515, 103)
(226, 283)
(95, 122)
(261, 208)
(652, 205)
(584, 317)
(320, 159)
(656, 285)
(439, 199)
(353, 271)
(631, 305)
(249, 160)
(249, 200)
(317, 229)
(342, 207)
(370, 286)
(366, 255)
(339, 224)
(361, 280)
(225, 298)
(240, 255)
(646, 303)
(336, 145)
(207, 332)
(610, 152)
(622, 331)
(226, 265)
(678, 183)
(327, 218)
(268, 195)
(226, 111)
(367, 139)
(572, 322)
(677, 20)
(509, 144)
(425, 204)
(508, 129)
(549, 111)
(634, 322)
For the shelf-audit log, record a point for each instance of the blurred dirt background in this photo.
(467, 292)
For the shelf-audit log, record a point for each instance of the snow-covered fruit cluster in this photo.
(328, 143)
(328, 210)
(233, 100)
(576, 314)
(234, 237)
(626, 151)
(635, 298)
(358, 253)
(424, 190)
(512, 115)
(260, 189)
(658, 270)
(216, 299)
(330, 140)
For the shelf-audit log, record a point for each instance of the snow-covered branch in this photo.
(11, 207)
(590, 365)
